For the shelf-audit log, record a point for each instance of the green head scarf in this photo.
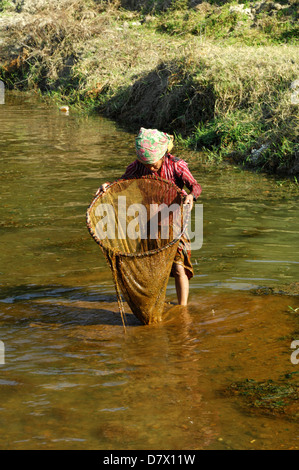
(151, 145)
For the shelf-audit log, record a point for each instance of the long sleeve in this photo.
(135, 169)
(183, 172)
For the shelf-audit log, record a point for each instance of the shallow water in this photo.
(72, 379)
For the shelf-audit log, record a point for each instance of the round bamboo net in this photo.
(138, 223)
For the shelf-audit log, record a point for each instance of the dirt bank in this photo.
(230, 91)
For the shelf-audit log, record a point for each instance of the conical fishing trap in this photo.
(138, 223)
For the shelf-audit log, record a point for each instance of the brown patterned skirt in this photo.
(183, 257)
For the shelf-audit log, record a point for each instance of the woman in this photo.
(153, 157)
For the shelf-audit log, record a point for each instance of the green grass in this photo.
(219, 80)
(273, 398)
(209, 21)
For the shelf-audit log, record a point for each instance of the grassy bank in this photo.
(222, 78)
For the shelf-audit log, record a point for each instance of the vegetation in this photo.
(221, 76)
(269, 397)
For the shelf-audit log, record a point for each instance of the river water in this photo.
(71, 378)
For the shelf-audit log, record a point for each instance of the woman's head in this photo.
(154, 167)
(151, 146)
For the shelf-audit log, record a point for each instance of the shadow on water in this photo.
(13, 294)
(60, 304)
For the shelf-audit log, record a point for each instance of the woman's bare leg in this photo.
(181, 283)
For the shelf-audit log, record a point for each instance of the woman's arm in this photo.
(135, 169)
(102, 188)
(131, 171)
(188, 179)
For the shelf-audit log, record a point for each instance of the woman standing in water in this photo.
(153, 157)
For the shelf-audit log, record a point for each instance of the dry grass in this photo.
(106, 59)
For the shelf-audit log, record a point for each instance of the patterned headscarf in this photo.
(151, 145)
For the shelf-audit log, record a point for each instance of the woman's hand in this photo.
(189, 201)
(102, 188)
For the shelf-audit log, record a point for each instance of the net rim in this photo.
(145, 253)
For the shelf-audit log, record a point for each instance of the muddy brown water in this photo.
(71, 378)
